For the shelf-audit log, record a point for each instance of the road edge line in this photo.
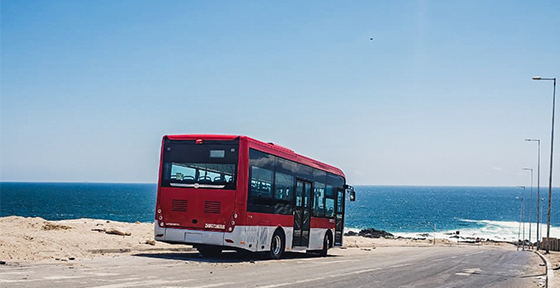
(549, 271)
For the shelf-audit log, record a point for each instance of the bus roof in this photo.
(272, 148)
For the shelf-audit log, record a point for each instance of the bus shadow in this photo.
(229, 256)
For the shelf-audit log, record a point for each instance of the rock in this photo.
(51, 226)
(373, 233)
(350, 233)
(150, 242)
(115, 231)
(2, 262)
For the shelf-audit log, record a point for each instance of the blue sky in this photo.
(442, 95)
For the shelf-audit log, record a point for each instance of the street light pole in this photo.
(542, 203)
(551, 160)
(530, 204)
(521, 218)
(538, 189)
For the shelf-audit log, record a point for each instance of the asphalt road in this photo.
(458, 266)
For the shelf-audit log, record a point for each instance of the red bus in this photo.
(223, 192)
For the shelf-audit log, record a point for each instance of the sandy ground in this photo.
(37, 240)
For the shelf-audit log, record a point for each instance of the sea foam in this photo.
(509, 231)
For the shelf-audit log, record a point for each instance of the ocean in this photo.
(484, 212)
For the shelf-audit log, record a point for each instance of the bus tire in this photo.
(209, 251)
(277, 245)
(326, 245)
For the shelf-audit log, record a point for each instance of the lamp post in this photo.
(521, 218)
(542, 203)
(530, 204)
(538, 189)
(538, 78)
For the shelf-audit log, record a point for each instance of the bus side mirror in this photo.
(350, 189)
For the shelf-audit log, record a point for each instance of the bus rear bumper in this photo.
(177, 235)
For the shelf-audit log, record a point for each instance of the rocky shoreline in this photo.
(371, 233)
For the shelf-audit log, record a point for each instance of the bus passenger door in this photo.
(302, 214)
(339, 217)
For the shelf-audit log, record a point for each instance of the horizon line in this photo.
(356, 185)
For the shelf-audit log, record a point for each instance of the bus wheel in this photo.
(326, 245)
(209, 251)
(277, 245)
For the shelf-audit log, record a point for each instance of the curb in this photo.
(549, 271)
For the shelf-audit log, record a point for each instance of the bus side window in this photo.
(329, 201)
(284, 184)
(261, 182)
(319, 198)
(339, 201)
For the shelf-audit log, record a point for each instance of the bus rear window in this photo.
(217, 153)
(208, 165)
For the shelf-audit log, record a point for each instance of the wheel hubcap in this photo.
(276, 244)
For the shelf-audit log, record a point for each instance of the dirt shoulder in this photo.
(25, 239)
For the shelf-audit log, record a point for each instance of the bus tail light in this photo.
(199, 141)
(159, 217)
(231, 224)
(229, 241)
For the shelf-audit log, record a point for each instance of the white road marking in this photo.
(213, 285)
(321, 278)
(399, 265)
(10, 281)
(59, 277)
(328, 262)
(19, 280)
(104, 274)
(339, 261)
(14, 273)
(469, 272)
(156, 283)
